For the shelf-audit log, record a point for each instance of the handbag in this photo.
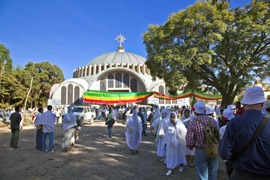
(235, 156)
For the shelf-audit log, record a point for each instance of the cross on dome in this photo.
(120, 39)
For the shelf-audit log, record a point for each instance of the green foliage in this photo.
(5, 60)
(11, 92)
(44, 76)
(15, 83)
(211, 45)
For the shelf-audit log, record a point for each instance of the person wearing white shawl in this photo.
(160, 136)
(156, 119)
(134, 131)
(186, 119)
(69, 125)
(175, 139)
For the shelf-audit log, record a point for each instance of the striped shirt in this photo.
(195, 132)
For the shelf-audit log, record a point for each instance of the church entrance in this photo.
(119, 90)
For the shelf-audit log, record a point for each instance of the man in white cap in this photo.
(206, 167)
(227, 116)
(232, 107)
(254, 162)
(209, 111)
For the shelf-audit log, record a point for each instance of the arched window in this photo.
(133, 85)
(70, 94)
(161, 90)
(103, 84)
(63, 95)
(126, 80)
(77, 95)
(118, 80)
(110, 81)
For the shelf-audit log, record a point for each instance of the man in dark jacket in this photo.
(15, 119)
(141, 115)
(254, 162)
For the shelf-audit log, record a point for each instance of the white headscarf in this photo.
(157, 114)
(132, 122)
(166, 114)
(134, 130)
(156, 119)
(162, 124)
(183, 114)
(181, 131)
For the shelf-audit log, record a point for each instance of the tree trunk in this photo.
(227, 98)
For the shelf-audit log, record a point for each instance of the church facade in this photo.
(114, 71)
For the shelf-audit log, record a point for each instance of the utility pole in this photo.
(24, 109)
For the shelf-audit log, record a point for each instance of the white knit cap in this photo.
(209, 110)
(253, 95)
(231, 106)
(227, 113)
(199, 107)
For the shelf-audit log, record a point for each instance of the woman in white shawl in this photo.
(160, 136)
(134, 131)
(186, 119)
(156, 119)
(69, 125)
(175, 139)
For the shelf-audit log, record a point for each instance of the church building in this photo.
(119, 71)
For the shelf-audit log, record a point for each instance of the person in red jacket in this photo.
(239, 109)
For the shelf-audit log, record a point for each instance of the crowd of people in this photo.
(179, 135)
(182, 141)
(44, 122)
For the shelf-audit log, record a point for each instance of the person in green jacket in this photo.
(110, 122)
(15, 119)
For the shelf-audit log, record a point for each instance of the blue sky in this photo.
(70, 33)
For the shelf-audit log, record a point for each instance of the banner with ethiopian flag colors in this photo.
(197, 94)
(107, 97)
(204, 96)
(112, 97)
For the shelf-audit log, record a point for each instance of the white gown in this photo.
(175, 146)
(161, 133)
(156, 120)
(134, 131)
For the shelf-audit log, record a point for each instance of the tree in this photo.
(212, 45)
(11, 91)
(15, 83)
(5, 60)
(44, 76)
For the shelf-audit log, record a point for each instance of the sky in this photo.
(71, 33)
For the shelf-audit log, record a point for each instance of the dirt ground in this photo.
(97, 157)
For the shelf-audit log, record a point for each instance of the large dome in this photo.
(118, 57)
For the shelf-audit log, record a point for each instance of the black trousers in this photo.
(39, 139)
(14, 137)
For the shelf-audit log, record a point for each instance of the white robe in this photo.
(222, 131)
(161, 133)
(175, 148)
(160, 138)
(156, 120)
(133, 132)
